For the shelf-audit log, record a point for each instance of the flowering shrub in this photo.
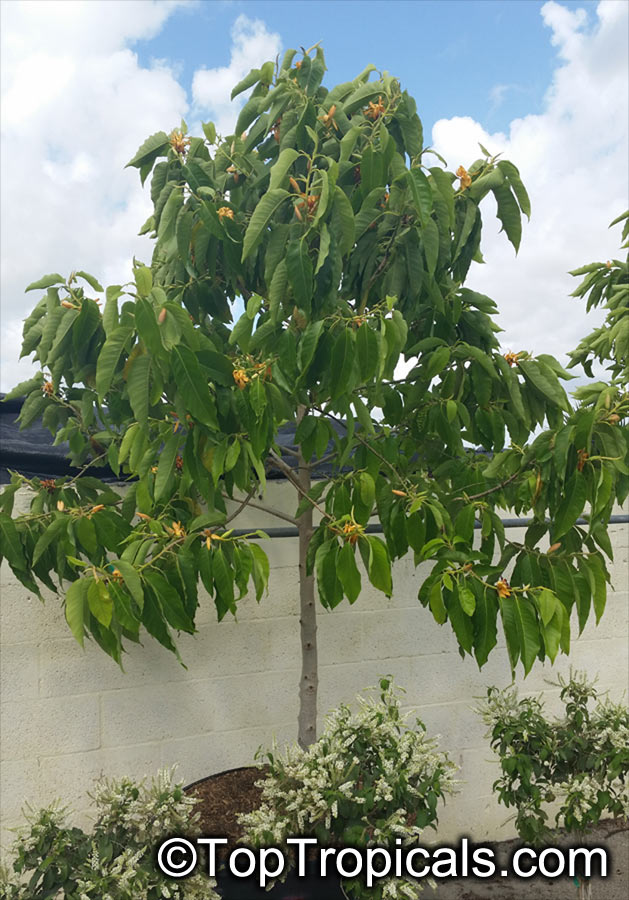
(116, 861)
(580, 760)
(369, 779)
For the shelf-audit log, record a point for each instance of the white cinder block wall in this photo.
(69, 715)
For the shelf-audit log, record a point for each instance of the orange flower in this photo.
(328, 118)
(512, 358)
(351, 530)
(375, 110)
(178, 530)
(466, 178)
(241, 378)
(67, 304)
(276, 130)
(398, 493)
(116, 575)
(502, 586)
(298, 64)
(144, 515)
(582, 457)
(225, 212)
(48, 484)
(608, 264)
(48, 388)
(178, 142)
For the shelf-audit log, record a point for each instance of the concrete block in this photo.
(156, 713)
(19, 672)
(46, 727)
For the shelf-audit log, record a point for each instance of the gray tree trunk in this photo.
(585, 889)
(309, 682)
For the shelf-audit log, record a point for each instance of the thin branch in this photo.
(286, 469)
(268, 509)
(239, 509)
(291, 451)
(497, 487)
(368, 446)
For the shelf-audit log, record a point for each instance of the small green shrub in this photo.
(369, 779)
(116, 860)
(581, 760)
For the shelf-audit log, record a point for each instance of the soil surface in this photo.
(222, 797)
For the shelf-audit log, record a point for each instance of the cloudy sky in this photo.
(83, 83)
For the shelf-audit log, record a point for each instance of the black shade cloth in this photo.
(31, 452)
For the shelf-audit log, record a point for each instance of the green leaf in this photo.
(132, 580)
(485, 636)
(45, 282)
(11, 546)
(546, 603)
(367, 350)
(542, 378)
(509, 214)
(262, 215)
(261, 570)
(209, 130)
(342, 361)
(25, 387)
(100, 603)
(248, 81)
(435, 601)
(143, 280)
(281, 167)
(430, 242)
(53, 532)
(93, 282)
(421, 193)
(193, 386)
(168, 219)
(299, 268)
(328, 582)
(348, 572)
(170, 602)
(138, 378)
(571, 506)
(166, 465)
(308, 344)
(75, 607)
(343, 222)
(108, 359)
(155, 145)
(467, 601)
(379, 567)
(439, 359)
(527, 628)
(367, 489)
(224, 583)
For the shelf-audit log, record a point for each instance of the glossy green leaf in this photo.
(262, 215)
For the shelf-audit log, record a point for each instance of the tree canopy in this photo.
(349, 243)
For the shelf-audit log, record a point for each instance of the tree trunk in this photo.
(585, 888)
(307, 728)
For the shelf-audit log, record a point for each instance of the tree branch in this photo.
(286, 469)
(239, 509)
(497, 487)
(267, 509)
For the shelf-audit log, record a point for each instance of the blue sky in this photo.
(84, 82)
(490, 59)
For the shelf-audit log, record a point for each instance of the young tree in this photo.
(325, 213)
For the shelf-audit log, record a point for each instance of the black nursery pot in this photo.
(310, 887)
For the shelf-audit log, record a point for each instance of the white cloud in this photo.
(252, 45)
(76, 105)
(572, 158)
